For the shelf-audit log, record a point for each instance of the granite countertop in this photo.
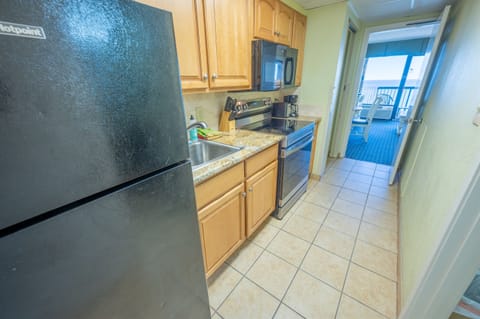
(252, 143)
(316, 119)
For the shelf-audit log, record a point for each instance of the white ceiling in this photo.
(375, 10)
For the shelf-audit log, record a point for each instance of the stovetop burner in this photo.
(293, 130)
(280, 126)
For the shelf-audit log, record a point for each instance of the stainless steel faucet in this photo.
(201, 124)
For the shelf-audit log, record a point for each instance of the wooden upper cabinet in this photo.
(298, 42)
(213, 41)
(265, 17)
(284, 23)
(228, 34)
(189, 28)
(273, 21)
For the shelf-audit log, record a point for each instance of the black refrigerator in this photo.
(97, 215)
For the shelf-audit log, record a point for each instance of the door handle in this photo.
(214, 76)
(250, 189)
(411, 120)
(205, 77)
(287, 152)
(244, 194)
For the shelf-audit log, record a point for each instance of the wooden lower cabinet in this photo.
(233, 204)
(261, 196)
(222, 228)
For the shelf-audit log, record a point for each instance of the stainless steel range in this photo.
(295, 148)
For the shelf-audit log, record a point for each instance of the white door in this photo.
(417, 111)
(339, 131)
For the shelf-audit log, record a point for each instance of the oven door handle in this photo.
(289, 151)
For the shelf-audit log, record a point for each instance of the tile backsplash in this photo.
(208, 106)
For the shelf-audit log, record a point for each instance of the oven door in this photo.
(294, 166)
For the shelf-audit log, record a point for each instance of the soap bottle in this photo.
(192, 133)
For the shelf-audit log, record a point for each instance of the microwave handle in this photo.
(288, 78)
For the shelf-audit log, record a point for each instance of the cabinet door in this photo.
(190, 40)
(228, 34)
(261, 196)
(265, 13)
(284, 24)
(222, 228)
(298, 42)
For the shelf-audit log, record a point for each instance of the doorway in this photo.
(394, 75)
(402, 50)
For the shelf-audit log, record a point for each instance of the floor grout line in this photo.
(299, 268)
(373, 271)
(243, 276)
(365, 305)
(311, 243)
(350, 259)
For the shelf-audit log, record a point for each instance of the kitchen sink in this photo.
(203, 152)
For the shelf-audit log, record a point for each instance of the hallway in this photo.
(334, 256)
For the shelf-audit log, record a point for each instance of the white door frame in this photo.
(344, 127)
(344, 91)
(454, 263)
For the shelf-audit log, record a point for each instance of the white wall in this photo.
(324, 48)
(445, 151)
(344, 112)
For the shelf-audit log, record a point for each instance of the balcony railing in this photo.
(407, 98)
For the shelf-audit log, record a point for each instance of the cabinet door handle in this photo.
(205, 77)
(214, 76)
(250, 189)
(244, 194)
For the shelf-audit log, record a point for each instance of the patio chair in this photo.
(365, 123)
(403, 116)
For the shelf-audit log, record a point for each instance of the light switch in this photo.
(476, 118)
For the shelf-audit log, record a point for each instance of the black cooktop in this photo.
(280, 126)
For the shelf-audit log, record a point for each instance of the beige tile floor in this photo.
(333, 256)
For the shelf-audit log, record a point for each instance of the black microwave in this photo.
(274, 66)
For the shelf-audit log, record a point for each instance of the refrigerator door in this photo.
(95, 103)
(132, 254)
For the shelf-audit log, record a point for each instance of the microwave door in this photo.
(278, 73)
(272, 75)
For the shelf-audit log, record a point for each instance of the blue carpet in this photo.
(380, 148)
